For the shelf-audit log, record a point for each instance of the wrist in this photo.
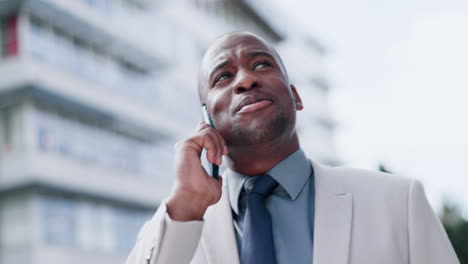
(186, 207)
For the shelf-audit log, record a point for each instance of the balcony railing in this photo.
(93, 145)
(90, 63)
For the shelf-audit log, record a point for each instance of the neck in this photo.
(258, 159)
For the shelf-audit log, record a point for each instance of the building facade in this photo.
(93, 95)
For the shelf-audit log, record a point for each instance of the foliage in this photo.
(457, 229)
(458, 235)
(381, 167)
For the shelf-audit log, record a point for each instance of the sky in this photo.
(399, 75)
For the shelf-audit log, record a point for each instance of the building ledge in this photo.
(70, 16)
(30, 79)
(54, 173)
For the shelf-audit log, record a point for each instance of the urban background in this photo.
(93, 96)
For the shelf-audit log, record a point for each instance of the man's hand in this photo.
(194, 190)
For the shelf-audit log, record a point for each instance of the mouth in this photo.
(252, 103)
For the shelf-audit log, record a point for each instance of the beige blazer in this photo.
(360, 217)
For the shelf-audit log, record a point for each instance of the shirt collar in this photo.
(291, 173)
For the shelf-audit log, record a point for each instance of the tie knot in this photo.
(263, 185)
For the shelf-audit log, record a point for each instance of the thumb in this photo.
(220, 180)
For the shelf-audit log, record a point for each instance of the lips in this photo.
(252, 103)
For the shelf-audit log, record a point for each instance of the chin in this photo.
(259, 132)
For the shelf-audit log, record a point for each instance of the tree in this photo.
(381, 167)
(457, 230)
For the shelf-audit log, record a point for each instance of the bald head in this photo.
(225, 42)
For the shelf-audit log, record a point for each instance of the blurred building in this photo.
(304, 58)
(93, 95)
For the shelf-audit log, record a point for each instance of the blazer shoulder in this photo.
(370, 182)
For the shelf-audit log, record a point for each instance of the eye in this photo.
(223, 76)
(261, 65)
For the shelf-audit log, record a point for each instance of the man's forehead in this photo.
(238, 52)
(225, 45)
(233, 45)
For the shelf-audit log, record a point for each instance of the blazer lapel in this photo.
(218, 237)
(333, 218)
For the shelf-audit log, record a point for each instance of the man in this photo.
(273, 205)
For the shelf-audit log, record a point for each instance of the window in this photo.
(42, 44)
(66, 136)
(58, 220)
(7, 129)
(61, 49)
(104, 6)
(2, 30)
(36, 33)
(90, 2)
(87, 224)
(10, 37)
(15, 220)
(96, 226)
(78, 48)
(92, 63)
(134, 7)
(91, 69)
(129, 223)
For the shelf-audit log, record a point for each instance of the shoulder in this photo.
(377, 197)
(363, 182)
(363, 176)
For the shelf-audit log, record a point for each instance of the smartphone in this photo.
(207, 119)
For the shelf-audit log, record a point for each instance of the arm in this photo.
(428, 241)
(172, 236)
(163, 240)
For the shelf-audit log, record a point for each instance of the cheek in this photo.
(219, 103)
(284, 93)
(223, 123)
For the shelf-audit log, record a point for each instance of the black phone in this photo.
(207, 118)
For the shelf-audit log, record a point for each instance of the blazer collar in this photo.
(333, 217)
(332, 223)
(218, 237)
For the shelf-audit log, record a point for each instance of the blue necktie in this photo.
(257, 239)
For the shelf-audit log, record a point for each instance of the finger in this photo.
(219, 141)
(197, 141)
(224, 148)
(222, 142)
(220, 181)
(211, 148)
(221, 150)
(197, 128)
(201, 125)
(219, 153)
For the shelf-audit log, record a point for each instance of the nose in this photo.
(245, 81)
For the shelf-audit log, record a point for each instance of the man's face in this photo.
(247, 92)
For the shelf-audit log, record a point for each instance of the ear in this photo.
(297, 98)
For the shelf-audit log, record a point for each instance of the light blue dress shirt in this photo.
(291, 207)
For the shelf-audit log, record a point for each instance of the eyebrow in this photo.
(250, 55)
(260, 53)
(217, 67)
